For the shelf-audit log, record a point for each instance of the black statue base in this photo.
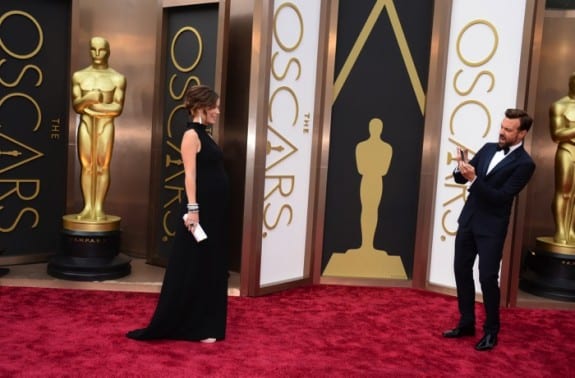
(88, 268)
(549, 270)
(90, 251)
(4, 271)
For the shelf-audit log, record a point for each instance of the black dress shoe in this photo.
(487, 342)
(460, 332)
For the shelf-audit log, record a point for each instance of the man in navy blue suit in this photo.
(496, 174)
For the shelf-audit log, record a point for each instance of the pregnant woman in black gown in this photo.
(193, 300)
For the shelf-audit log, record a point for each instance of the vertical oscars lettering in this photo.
(277, 207)
(173, 183)
(17, 195)
(481, 80)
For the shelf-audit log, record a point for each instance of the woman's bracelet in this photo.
(193, 208)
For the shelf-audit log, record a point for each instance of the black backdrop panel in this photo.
(378, 86)
(34, 100)
(190, 58)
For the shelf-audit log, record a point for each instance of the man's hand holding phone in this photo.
(462, 155)
(466, 169)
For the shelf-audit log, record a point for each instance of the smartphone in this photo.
(463, 155)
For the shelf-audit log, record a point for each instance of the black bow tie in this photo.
(505, 149)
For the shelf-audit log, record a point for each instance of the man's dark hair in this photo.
(525, 121)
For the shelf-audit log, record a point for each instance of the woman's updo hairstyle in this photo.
(200, 97)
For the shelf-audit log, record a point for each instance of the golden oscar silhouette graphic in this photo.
(91, 237)
(373, 158)
(549, 266)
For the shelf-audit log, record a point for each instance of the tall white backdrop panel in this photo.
(289, 139)
(481, 82)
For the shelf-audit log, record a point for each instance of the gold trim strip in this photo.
(406, 55)
(357, 47)
(403, 47)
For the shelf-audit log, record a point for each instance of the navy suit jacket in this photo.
(488, 206)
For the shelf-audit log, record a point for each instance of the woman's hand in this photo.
(192, 220)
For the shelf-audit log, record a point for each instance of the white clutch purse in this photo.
(198, 232)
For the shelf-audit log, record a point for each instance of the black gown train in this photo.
(193, 300)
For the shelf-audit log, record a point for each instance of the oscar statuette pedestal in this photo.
(90, 251)
(549, 270)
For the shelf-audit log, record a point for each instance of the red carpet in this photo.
(321, 331)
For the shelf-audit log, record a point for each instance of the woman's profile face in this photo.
(211, 114)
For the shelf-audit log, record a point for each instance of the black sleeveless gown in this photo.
(194, 296)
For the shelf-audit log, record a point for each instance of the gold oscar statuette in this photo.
(91, 239)
(549, 266)
(98, 97)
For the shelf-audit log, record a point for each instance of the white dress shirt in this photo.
(500, 155)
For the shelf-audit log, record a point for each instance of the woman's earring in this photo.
(200, 119)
